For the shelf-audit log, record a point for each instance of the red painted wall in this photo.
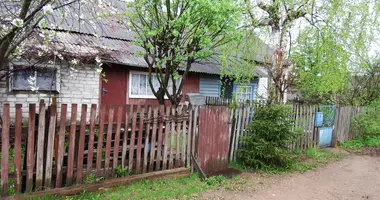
(191, 85)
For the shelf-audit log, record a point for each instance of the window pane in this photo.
(46, 80)
(156, 85)
(20, 79)
(143, 84)
(244, 92)
(135, 84)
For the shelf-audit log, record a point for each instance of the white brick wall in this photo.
(262, 90)
(80, 87)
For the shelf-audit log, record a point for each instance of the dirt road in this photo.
(353, 178)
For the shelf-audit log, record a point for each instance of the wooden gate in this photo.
(214, 138)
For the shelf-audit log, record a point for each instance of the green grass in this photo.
(303, 161)
(180, 188)
(359, 143)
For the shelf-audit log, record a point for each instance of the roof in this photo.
(107, 38)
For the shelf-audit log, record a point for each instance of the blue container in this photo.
(318, 119)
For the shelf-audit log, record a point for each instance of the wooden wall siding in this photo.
(141, 139)
(209, 85)
(191, 85)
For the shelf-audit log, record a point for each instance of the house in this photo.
(52, 69)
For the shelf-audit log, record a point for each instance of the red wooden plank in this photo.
(139, 140)
(82, 135)
(71, 150)
(99, 149)
(61, 143)
(147, 140)
(5, 150)
(17, 158)
(30, 147)
(128, 116)
(108, 142)
(40, 147)
(90, 155)
(172, 135)
(160, 135)
(50, 146)
(117, 139)
(167, 128)
(154, 136)
(132, 141)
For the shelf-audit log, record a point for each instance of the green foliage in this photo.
(178, 188)
(368, 122)
(121, 172)
(358, 143)
(270, 133)
(175, 34)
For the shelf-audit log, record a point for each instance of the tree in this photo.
(174, 34)
(278, 17)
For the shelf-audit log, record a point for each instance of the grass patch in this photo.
(302, 161)
(357, 145)
(180, 188)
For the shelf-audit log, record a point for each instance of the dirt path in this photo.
(353, 178)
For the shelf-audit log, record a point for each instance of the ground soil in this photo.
(353, 178)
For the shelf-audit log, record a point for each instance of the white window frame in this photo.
(134, 96)
(240, 86)
(11, 87)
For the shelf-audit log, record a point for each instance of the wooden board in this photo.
(50, 147)
(139, 140)
(82, 135)
(99, 149)
(132, 141)
(17, 158)
(40, 147)
(91, 138)
(160, 136)
(5, 150)
(71, 150)
(167, 127)
(154, 137)
(147, 141)
(61, 143)
(30, 147)
(108, 142)
(128, 116)
(117, 139)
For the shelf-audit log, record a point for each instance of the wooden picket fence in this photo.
(344, 123)
(130, 138)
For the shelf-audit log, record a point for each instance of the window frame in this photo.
(252, 86)
(138, 96)
(13, 67)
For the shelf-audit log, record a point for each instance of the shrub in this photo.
(368, 122)
(271, 131)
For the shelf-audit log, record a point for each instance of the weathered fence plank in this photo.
(61, 143)
(82, 135)
(153, 142)
(160, 136)
(128, 116)
(167, 127)
(172, 135)
(117, 139)
(71, 150)
(30, 147)
(132, 140)
(147, 142)
(108, 142)
(18, 154)
(5, 150)
(50, 147)
(40, 147)
(99, 148)
(90, 155)
(139, 140)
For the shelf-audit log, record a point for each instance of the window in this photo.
(244, 92)
(139, 85)
(43, 79)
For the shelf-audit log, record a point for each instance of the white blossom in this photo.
(74, 61)
(47, 9)
(99, 70)
(98, 60)
(17, 22)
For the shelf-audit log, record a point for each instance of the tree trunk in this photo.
(161, 96)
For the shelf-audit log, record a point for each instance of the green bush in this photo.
(270, 133)
(368, 122)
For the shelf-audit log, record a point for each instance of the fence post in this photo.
(5, 150)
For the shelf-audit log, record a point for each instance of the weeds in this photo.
(359, 143)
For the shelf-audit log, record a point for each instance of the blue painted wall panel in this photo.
(209, 86)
